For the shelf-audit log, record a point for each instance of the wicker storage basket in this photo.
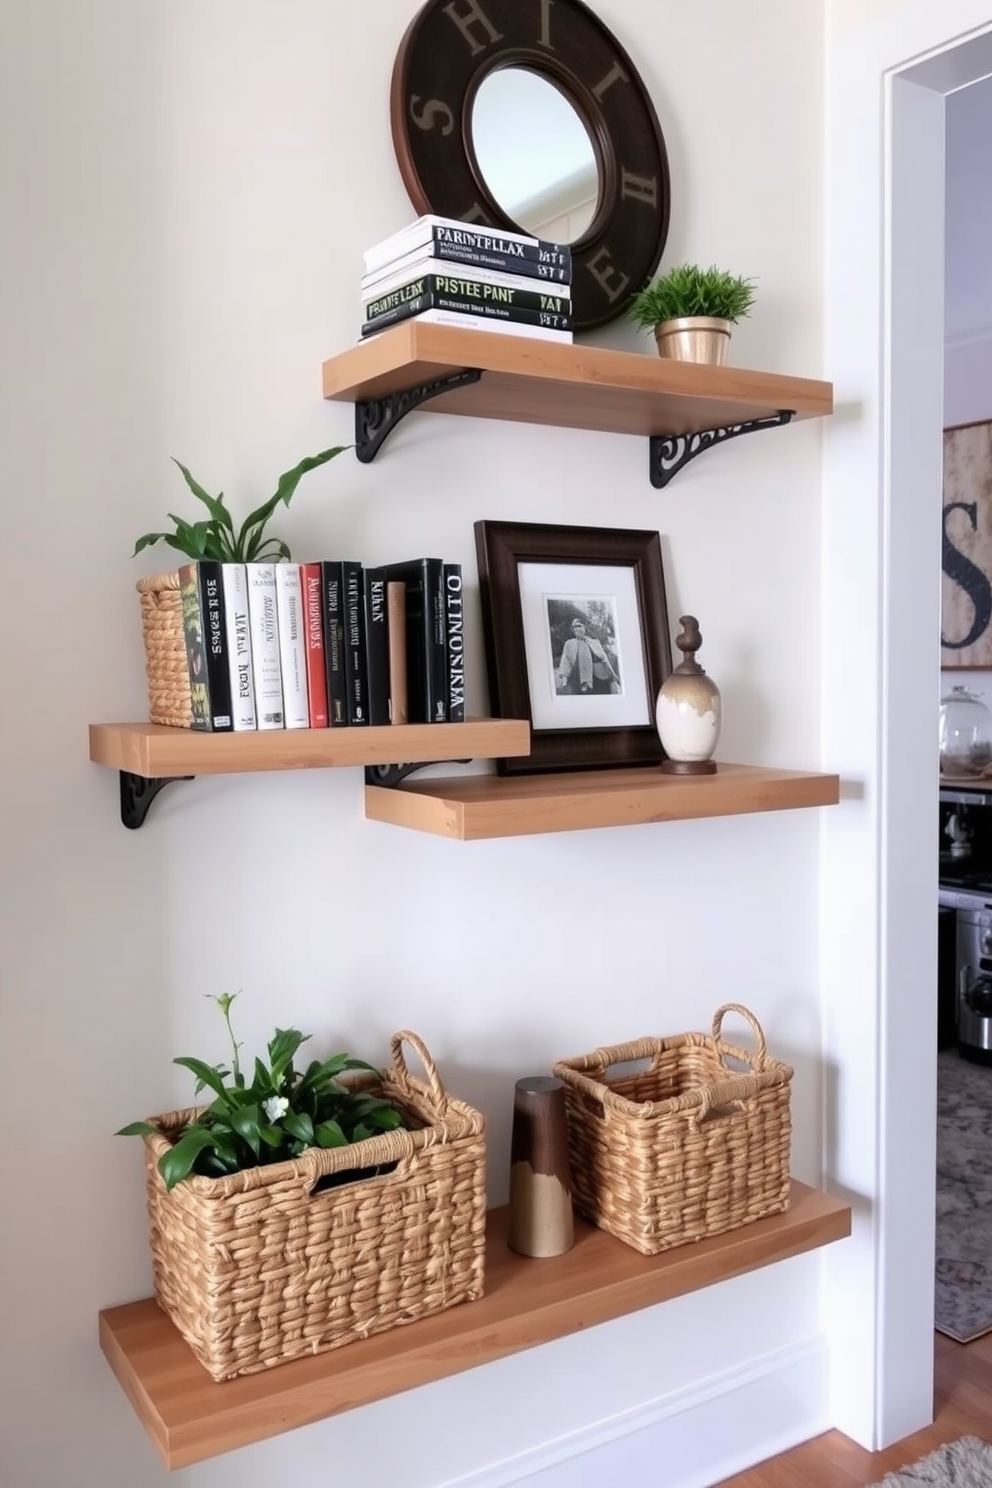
(686, 1146)
(165, 650)
(265, 1265)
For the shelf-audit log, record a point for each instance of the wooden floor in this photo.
(962, 1407)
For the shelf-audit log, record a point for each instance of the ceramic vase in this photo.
(540, 1222)
(687, 711)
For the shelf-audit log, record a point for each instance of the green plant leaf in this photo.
(150, 538)
(207, 1077)
(271, 1136)
(137, 1129)
(288, 482)
(299, 1126)
(273, 550)
(177, 1163)
(262, 1081)
(282, 1047)
(245, 1122)
(214, 504)
(329, 1134)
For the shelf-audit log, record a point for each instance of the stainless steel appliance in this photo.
(972, 966)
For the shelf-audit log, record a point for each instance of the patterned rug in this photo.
(963, 1297)
(962, 1464)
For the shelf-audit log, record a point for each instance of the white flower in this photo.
(275, 1106)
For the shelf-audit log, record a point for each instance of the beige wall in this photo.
(188, 190)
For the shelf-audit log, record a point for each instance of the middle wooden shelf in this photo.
(478, 806)
(153, 751)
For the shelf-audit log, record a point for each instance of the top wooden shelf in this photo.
(571, 386)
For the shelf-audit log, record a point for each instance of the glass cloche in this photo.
(965, 733)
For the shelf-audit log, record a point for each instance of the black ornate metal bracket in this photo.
(392, 775)
(376, 418)
(669, 453)
(138, 792)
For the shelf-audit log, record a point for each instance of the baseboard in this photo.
(698, 1435)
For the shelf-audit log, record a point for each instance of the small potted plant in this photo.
(303, 1209)
(691, 311)
(216, 536)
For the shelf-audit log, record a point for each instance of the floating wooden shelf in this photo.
(479, 806)
(527, 1302)
(570, 386)
(150, 750)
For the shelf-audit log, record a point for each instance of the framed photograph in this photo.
(966, 579)
(576, 631)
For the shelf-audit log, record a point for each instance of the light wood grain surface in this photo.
(577, 386)
(151, 750)
(480, 806)
(527, 1302)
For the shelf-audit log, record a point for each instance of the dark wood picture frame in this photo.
(501, 549)
(446, 54)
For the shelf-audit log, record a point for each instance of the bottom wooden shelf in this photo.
(190, 1418)
(477, 806)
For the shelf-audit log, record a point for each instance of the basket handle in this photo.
(757, 1060)
(402, 1074)
(734, 1091)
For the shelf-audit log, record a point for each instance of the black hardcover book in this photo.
(377, 644)
(332, 593)
(356, 668)
(454, 630)
(425, 649)
(475, 296)
(468, 258)
(205, 627)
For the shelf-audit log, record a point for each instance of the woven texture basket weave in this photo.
(684, 1147)
(256, 1268)
(165, 650)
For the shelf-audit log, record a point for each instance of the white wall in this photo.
(188, 188)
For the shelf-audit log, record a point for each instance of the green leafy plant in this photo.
(276, 1116)
(217, 536)
(688, 289)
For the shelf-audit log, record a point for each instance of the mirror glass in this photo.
(535, 155)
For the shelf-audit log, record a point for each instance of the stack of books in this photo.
(449, 273)
(323, 645)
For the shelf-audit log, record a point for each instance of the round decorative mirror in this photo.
(533, 118)
(535, 155)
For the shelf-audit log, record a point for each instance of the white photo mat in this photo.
(550, 709)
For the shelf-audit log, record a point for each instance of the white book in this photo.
(263, 625)
(426, 229)
(234, 580)
(292, 645)
(471, 322)
(416, 264)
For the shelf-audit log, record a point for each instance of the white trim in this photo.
(880, 641)
(689, 1438)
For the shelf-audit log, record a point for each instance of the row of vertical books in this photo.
(452, 273)
(323, 645)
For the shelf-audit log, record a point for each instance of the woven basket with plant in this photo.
(214, 537)
(305, 1209)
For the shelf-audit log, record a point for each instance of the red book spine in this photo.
(316, 672)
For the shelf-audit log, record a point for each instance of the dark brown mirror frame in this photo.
(451, 47)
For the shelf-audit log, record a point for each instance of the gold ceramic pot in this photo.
(694, 338)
